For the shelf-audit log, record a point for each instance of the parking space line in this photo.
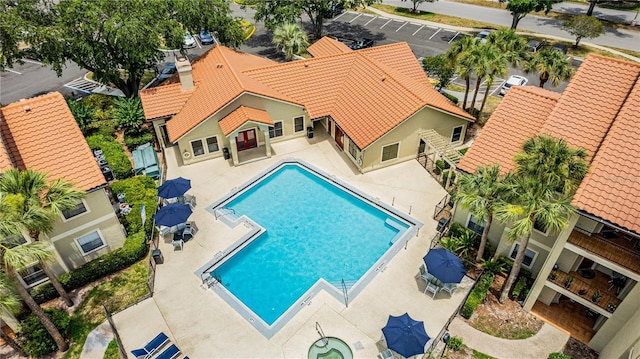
(454, 36)
(401, 26)
(497, 88)
(432, 27)
(360, 14)
(373, 18)
(415, 23)
(385, 24)
(434, 34)
(337, 17)
(32, 61)
(420, 28)
(15, 72)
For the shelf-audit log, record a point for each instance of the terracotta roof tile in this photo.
(598, 111)
(519, 116)
(327, 46)
(164, 101)
(5, 160)
(240, 116)
(26, 131)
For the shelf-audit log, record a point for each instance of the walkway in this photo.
(548, 340)
(97, 342)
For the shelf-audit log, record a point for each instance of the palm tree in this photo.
(496, 61)
(9, 305)
(551, 65)
(514, 47)
(128, 113)
(38, 204)
(463, 62)
(482, 56)
(480, 192)
(291, 39)
(539, 193)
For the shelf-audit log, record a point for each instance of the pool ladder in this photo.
(219, 212)
(323, 338)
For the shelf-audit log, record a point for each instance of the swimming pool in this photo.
(308, 232)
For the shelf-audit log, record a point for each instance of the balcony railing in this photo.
(586, 290)
(617, 254)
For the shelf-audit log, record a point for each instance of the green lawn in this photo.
(116, 292)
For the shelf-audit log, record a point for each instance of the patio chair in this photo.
(151, 347)
(386, 354)
(449, 288)
(177, 243)
(169, 353)
(433, 288)
(188, 232)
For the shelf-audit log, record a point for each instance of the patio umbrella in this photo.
(172, 214)
(405, 335)
(174, 187)
(444, 265)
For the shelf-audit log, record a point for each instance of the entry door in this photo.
(246, 140)
(339, 137)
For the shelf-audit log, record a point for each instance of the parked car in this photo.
(361, 44)
(514, 80)
(167, 71)
(205, 37)
(535, 45)
(334, 9)
(560, 47)
(189, 41)
(482, 36)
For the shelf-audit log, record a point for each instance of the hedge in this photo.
(135, 139)
(33, 337)
(559, 356)
(106, 128)
(477, 295)
(133, 249)
(137, 190)
(113, 153)
(452, 98)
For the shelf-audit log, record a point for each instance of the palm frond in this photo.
(22, 256)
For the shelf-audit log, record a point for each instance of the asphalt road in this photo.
(623, 39)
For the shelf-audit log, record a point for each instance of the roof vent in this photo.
(27, 108)
(384, 78)
(219, 65)
(306, 64)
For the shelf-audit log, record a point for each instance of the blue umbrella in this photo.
(172, 214)
(405, 336)
(174, 187)
(444, 265)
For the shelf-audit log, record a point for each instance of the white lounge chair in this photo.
(386, 354)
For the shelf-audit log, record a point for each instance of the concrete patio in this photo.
(203, 325)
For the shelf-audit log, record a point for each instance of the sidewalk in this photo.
(548, 340)
(471, 30)
(97, 342)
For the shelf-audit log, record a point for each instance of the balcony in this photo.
(621, 251)
(584, 291)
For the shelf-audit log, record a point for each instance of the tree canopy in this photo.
(117, 40)
(415, 3)
(520, 8)
(583, 26)
(280, 12)
(291, 39)
(439, 67)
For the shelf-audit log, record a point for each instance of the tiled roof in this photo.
(327, 46)
(26, 130)
(598, 112)
(240, 116)
(5, 160)
(218, 79)
(519, 116)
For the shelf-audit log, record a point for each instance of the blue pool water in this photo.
(313, 230)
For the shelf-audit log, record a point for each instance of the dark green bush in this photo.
(113, 153)
(137, 190)
(517, 289)
(477, 295)
(455, 343)
(464, 150)
(456, 229)
(106, 128)
(442, 164)
(133, 249)
(453, 99)
(135, 139)
(559, 356)
(102, 104)
(34, 338)
(493, 266)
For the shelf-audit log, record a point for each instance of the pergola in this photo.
(442, 148)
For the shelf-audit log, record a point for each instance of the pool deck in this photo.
(203, 325)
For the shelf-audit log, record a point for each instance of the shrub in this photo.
(113, 153)
(456, 229)
(442, 164)
(135, 139)
(133, 249)
(106, 128)
(477, 295)
(508, 263)
(82, 113)
(444, 177)
(464, 150)
(128, 112)
(102, 104)
(493, 266)
(517, 289)
(455, 343)
(559, 356)
(34, 338)
(453, 99)
(137, 190)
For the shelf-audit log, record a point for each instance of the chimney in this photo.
(184, 72)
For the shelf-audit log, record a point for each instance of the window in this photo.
(77, 210)
(197, 147)
(529, 255)
(538, 226)
(390, 152)
(33, 275)
(90, 242)
(212, 144)
(353, 149)
(276, 130)
(475, 225)
(457, 134)
(298, 124)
